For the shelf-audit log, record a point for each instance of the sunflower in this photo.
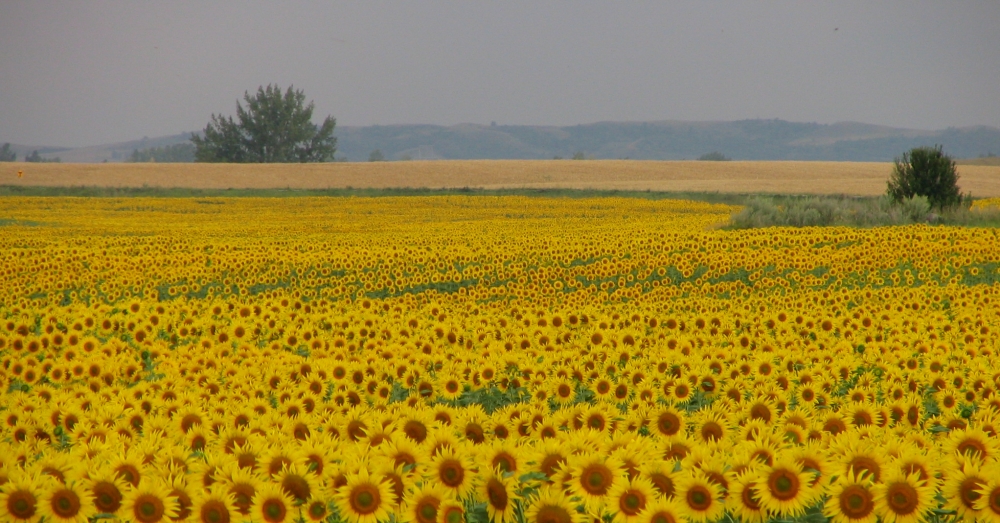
(60, 466)
(963, 487)
(902, 499)
(415, 424)
(453, 470)
(629, 498)
(562, 390)
(851, 499)
(273, 458)
(711, 426)
(421, 505)
(451, 511)
(365, 498)
(179, 490)
(851, 453)
(400, 478)
(548, 457)
(69, 502)
(661, 475)
(553, 506)
(700, 496)
(271, 504)
(972, 442)
(149, 502)
(662, 510)
(298, 481)
(242, 483)
(106, 488)
(988, 503)
(316, 510)
(743, 501)
(500, 492)
(911, 459)
(214, 505)
(502, 454)
(785, 488)
(815, 461)
(594, 476)
(314, 453)
(19, 497)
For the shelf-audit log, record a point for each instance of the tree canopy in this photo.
(6, 155)
(274, 127)
(928, 172)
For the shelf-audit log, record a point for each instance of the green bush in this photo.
(819, 211)
(928, 172)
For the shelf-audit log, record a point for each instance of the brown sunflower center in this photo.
(183, 504)
(274, 510)
(107, 497)
(711, 431)
(296, 486)
(973, 447)
(748, 499)
(148, 508)
(968, 490)
(994, 497)
(596, 479)
(415, 430)
(662, 517)
(915, 468)
(505, 461)
(365, 499)
(902, 498)
(552, 514)
(551, 463)
(317, 510)
(242, 497)
(21, 504)
(784, 484)
(474, 433)
(214, 511)
(663, 483)
(454, 514)
(427, 510)
(668, 423)
(699, 498)
(856, 502)
(866, 464)
(65, 503)
(761, 412)
(632, 502)
(451, 473)
(497, 494)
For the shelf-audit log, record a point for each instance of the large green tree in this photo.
(274, 127)
(6, 155)
(928, 172)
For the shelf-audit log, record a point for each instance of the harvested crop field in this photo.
(856, 178)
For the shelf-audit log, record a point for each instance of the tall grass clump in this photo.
(819, 211)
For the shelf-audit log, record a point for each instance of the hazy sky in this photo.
(76, 73)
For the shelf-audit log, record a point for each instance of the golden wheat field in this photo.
(854, 178)
(445, 359)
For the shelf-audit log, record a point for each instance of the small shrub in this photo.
(928, 172)
(714, 156)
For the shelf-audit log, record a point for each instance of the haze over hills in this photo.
(664, 140)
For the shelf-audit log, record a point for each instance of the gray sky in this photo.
(85, 73)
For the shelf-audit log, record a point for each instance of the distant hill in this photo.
(669, 140)
(665, 140)
(113, 152)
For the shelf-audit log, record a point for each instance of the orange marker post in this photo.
(20, 173)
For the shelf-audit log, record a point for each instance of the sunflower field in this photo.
(444, 359)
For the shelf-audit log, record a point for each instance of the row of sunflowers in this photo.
(509, 359)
